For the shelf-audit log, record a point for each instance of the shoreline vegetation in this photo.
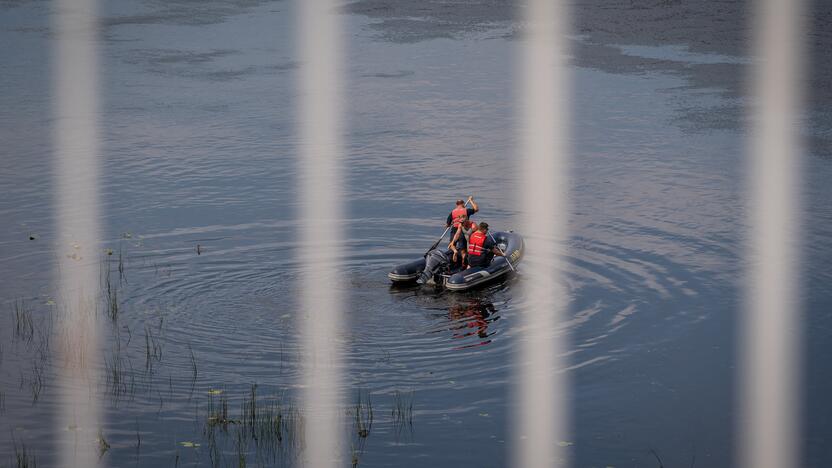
(146, 369)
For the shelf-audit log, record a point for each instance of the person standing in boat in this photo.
(460, 213)
(459, 243)
(481, 247)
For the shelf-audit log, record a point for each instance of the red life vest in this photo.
(475, 243)
(457, 214)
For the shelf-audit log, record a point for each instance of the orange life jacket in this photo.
(457, 214)
(475, 243)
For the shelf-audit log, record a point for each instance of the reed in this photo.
(152, 348)
(402, 412)
(23, 458)
(122, 279)
(194, 373)
(271, 423)
(24, 326)
(362, 421)
(362, 413)
(103, 445)
(110, 291)
(661, 464)
(138, 439)
(241, 446)
(120, 379)
(268, 429)
(218, 413)
(36, 381)
(194, 370)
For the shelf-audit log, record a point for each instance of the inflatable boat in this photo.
(436, 268)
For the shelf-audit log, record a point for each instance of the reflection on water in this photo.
(471, 319)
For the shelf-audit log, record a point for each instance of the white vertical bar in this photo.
(321, 229)
(541, 397)
(772, 321)
(76, 166)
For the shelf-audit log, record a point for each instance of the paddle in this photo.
(496, 244)
(446, 230)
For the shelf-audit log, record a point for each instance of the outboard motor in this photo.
(435, 262)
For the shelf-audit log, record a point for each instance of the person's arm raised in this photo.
(473, 204)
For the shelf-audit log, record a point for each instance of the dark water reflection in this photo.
(198, 193)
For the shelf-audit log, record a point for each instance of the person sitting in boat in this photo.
(459, 243)
(481, 247)
(459, 213)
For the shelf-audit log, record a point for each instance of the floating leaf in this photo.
(50, 302)
(485, 415)
(214, 392)
(564, 443)
(188, 444)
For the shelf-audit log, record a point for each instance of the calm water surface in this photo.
(198, 190)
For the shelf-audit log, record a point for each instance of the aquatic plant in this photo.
(194, 373)
(273, 426)
(119, 376)
(218, 412)
(268, 428)
(241, 445)
(24, 327)
(363, 414)
(103, 445)
(138, 439)
(22, 457)
(153, 349)
(362, 422)
(402, 412)
(661, 464)
(122, 279)
(193, 362)
(36, 380)
(110, 291)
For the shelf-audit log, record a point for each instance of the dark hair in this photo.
(460, 202)
(483, 225)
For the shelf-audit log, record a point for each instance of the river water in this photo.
(199, 144)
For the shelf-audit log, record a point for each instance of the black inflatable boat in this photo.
(435, 267)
